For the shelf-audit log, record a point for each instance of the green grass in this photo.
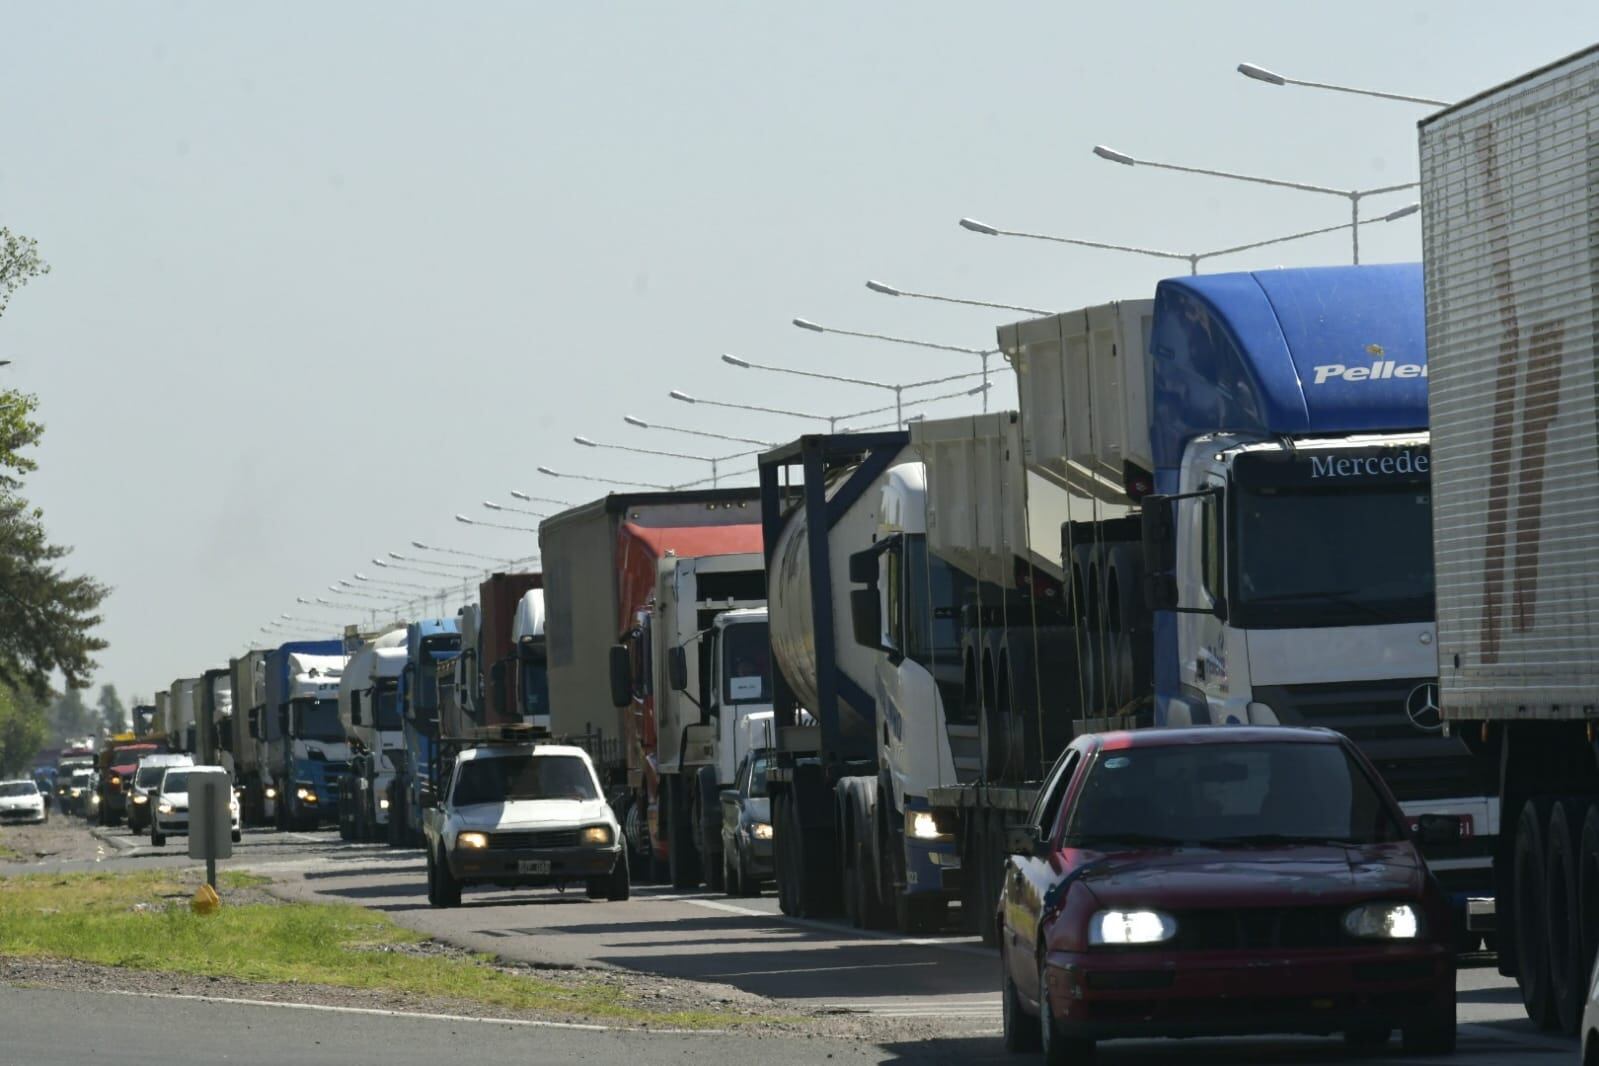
(93, 918)
(9, 854)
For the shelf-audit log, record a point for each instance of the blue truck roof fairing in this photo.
(1303, 351)
(418, 631)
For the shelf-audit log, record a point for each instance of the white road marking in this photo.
(380, 1013)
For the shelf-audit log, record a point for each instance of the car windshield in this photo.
(746, 673)
(758, 777)
(175, 781)
(524, 777)
(18, 788)
(149, 776)
(317, 720)
(1229, 794)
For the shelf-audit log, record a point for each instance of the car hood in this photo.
(21, 801)
(1277, 876)
(519, 814)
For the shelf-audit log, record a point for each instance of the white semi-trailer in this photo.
(369, 711)
(1510, 194)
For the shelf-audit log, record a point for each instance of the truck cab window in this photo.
(894, 617)
(1210, 546)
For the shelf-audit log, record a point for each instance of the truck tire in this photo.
(782, 834)
(157, 838)
(1529, 874)
(619, 884)
(682, 857)
(1567, 981)
(1588, 887)
(446, 889)
(920, 913)
(709, 820)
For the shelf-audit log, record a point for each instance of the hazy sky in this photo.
(326, 274)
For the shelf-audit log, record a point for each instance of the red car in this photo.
(1221, 881)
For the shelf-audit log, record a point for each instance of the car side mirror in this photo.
(1437, 830)
(1023, 840)
(677, 669)
(621, 676)
(1159, 528)
(866, 617)
(730, 795)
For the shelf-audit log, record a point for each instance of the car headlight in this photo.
(139, 797)
(761, 830)
(1119, 928)
(165, 807)
(271, 793)
(471, 840)
(1383, 921)
(115, 780)
(921, 825)
(383, 804)
(598, 836)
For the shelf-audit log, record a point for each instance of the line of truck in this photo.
(1359, 498)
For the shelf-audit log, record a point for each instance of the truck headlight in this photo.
(139, 797)
(761, 830)
(304, 794)
(598, 836)
(1383, 921)
(921, 825)
(1119, 928)
(471, 840)
(383, 804)
(271, 793)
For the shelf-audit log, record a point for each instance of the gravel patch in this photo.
(58, 840)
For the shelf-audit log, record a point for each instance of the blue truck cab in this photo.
(430, 643)
(308, 751)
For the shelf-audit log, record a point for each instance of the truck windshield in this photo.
(1339, 555)
(317, 720)
(524, 777)
(1233, 794)
(746, 666)
(386, 701)
(535, 686)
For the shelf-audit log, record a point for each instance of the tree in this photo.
(112, 713)
(22, 731)
(70, 717)
(47, 616)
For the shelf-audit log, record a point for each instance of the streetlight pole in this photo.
(540, 499)
(400, 586)
(831, 420)
(464, 520)
(436, 563)
(491, 505)
(983, 353)
(588, 442)
(641, 424)
(454, 551)
(604, 480)
(1191, 258)
(1352, 195)
(897, 390)
(414, 570)
(1271, 77)
(894, 290)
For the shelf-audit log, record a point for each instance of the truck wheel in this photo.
(782, 834)
(618, 884)
(157, 838)
(681, 857)
(920, 914)
(1588, 888)
(1532, 953)
(710, 822)
(1561, 908)
(447, 890)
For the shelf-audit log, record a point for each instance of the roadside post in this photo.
(210, 818)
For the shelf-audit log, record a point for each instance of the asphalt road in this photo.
(942, 987)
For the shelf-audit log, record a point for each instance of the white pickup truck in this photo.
(523, 814)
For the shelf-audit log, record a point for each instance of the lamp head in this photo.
(979, 227)
(1114, 156)
(586, 442)
(733, 360)
(678, 394)
(1249, 70)
(805, 323)
(886, 290)
(639, 422)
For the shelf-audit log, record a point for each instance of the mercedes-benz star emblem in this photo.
(1422, 707)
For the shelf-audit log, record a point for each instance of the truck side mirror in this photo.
(355, 708)
(677, 669)
(283, 721)
(1160, 552)
(863, 567)
(621, 676)
(866, 616)
(255, 723)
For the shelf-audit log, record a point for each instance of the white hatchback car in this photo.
(21, 802)
(171, 814)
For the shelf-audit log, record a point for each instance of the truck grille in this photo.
(535, 838)
(1415, 764)
(1268, 927)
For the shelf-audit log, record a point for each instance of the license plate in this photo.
(533, 866)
